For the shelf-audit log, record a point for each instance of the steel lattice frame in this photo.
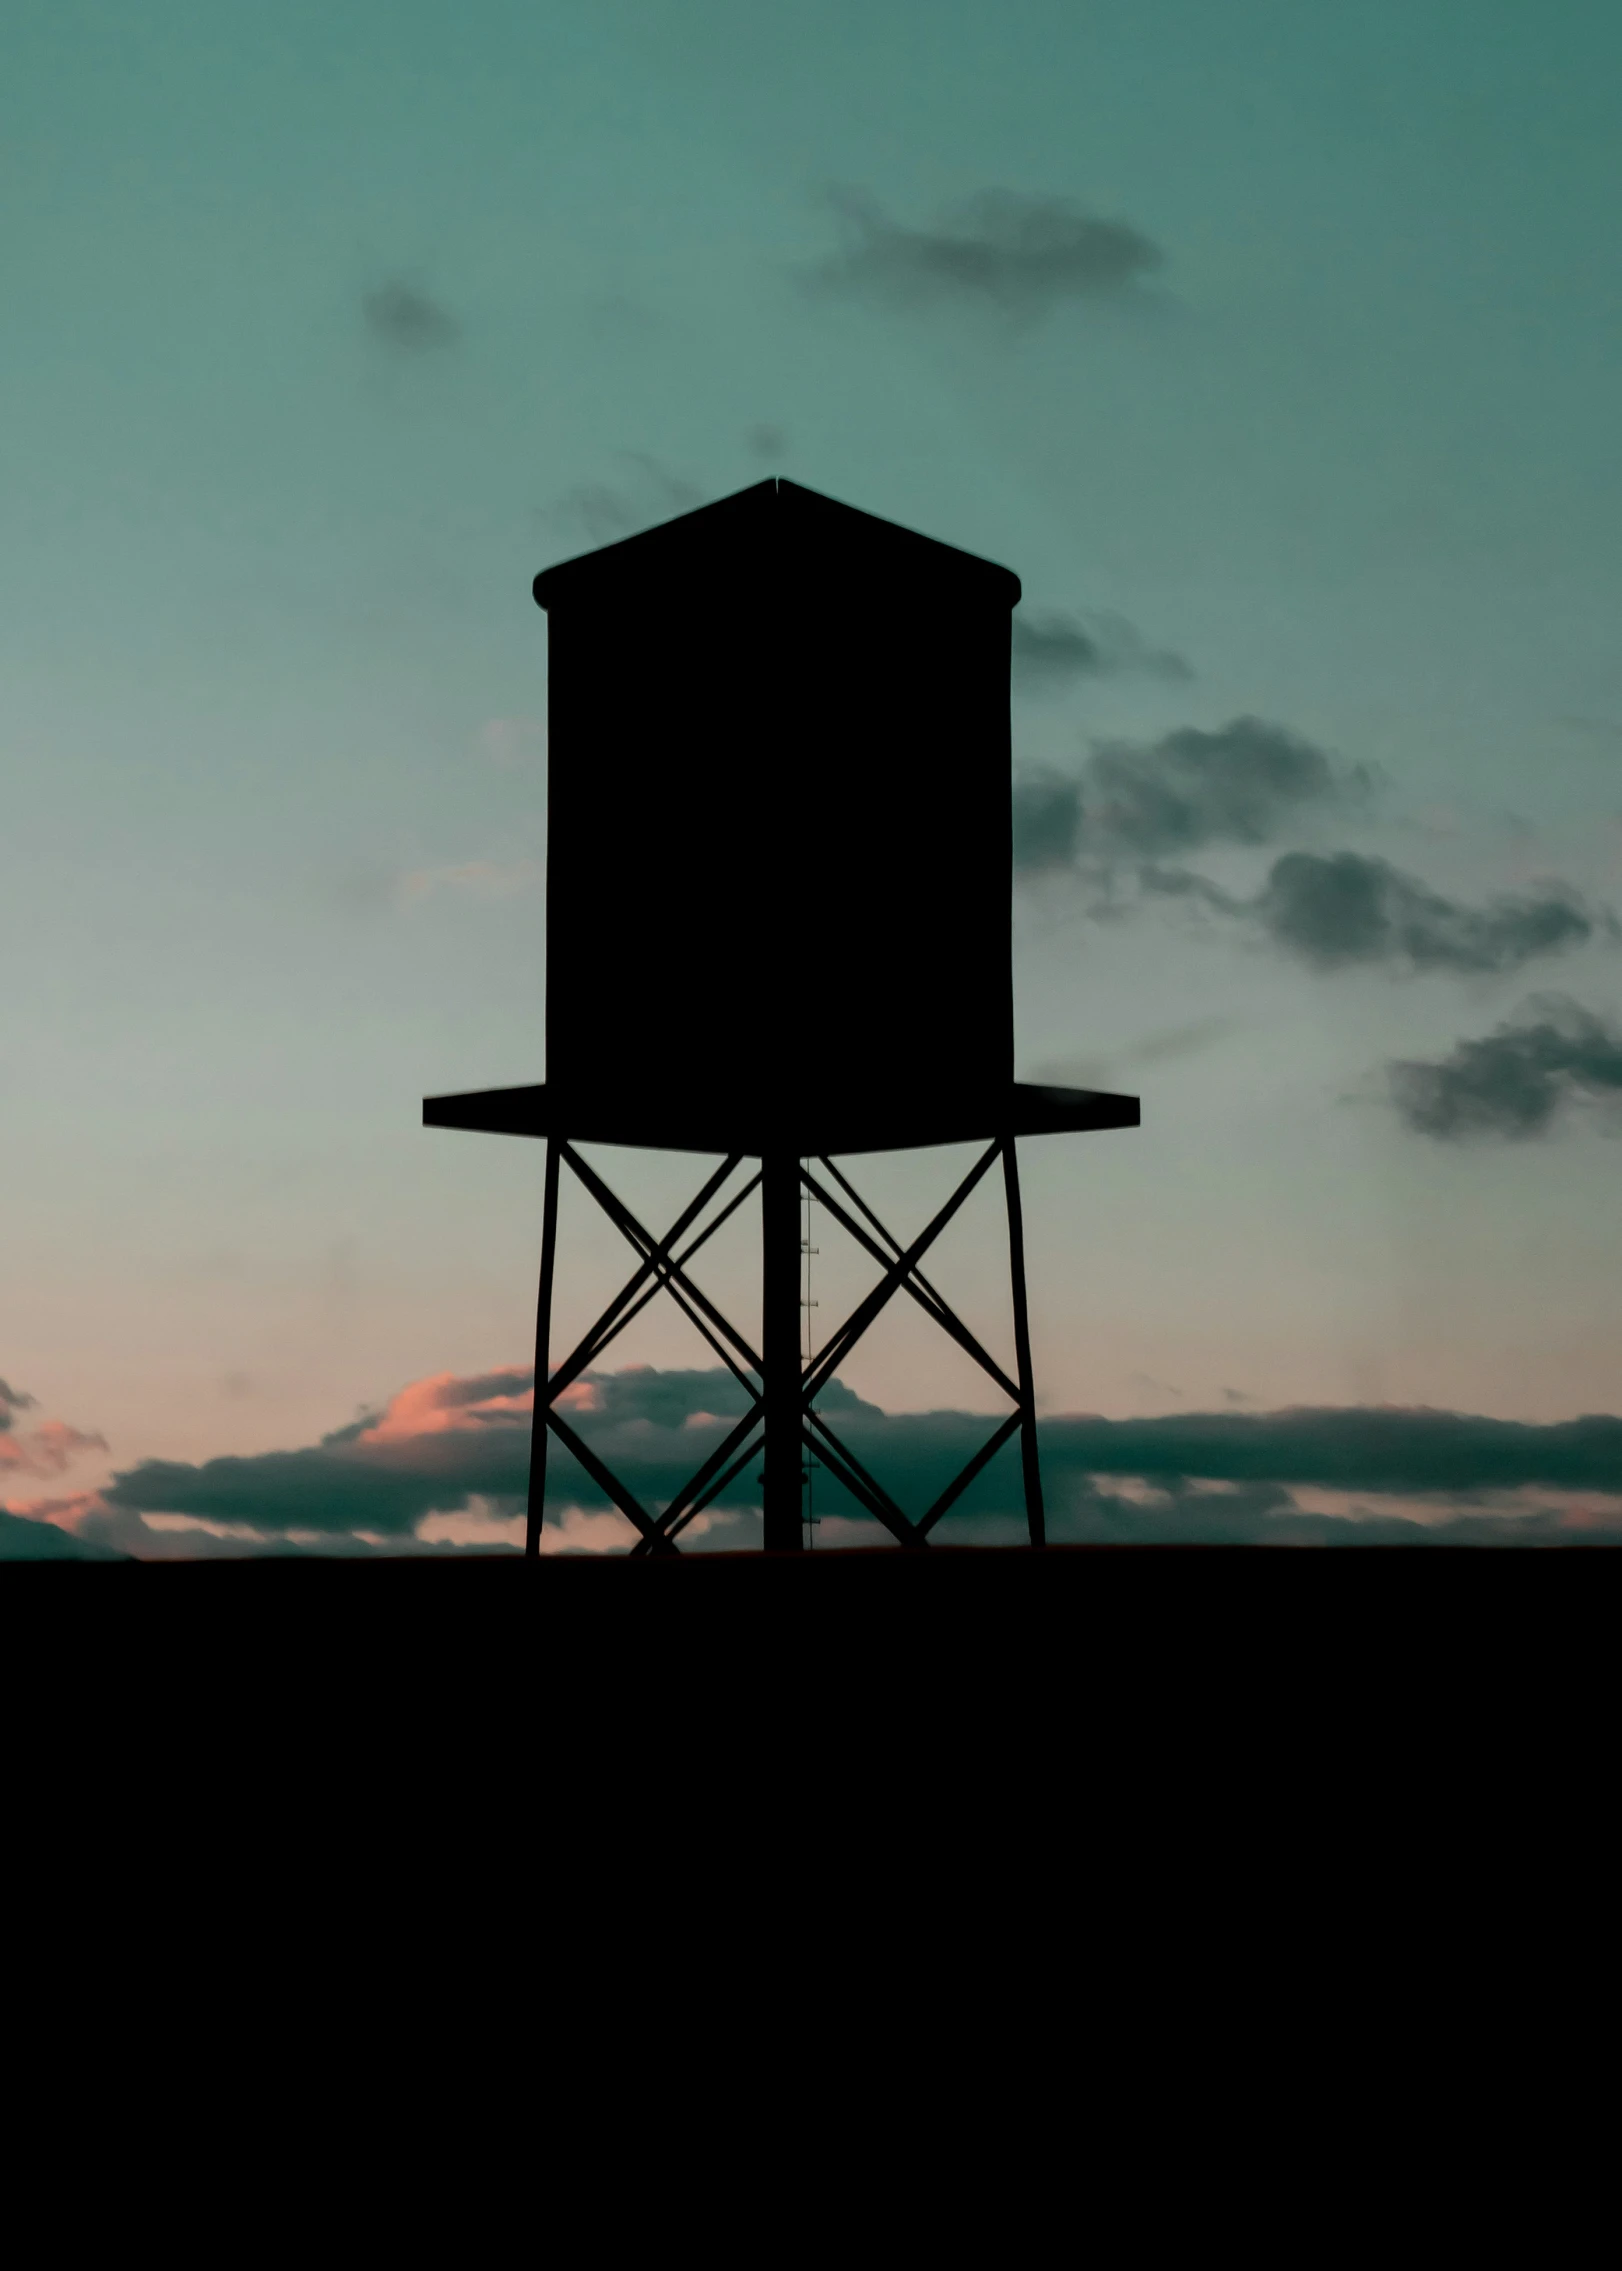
(662, 1267)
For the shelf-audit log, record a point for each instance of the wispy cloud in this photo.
(1250, 783)
(1047, 821)
(1052, 649)
(1242, 783)
(1164, 1047)
(43, 1449)
(1019, 254)
(1517, 1082)
(604, 511)
(46, 1449)
(1344, 908)
(12, 1400)
(408, 319)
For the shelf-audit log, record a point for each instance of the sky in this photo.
(1273, 348)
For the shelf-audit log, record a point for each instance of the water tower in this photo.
(773, 704)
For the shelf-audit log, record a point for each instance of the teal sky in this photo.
(328, 325)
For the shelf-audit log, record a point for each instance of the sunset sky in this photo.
(1273, 347)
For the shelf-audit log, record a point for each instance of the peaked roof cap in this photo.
(775, 526)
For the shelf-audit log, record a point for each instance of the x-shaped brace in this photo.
(662, 1268)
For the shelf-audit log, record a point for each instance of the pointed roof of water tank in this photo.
(774, 530)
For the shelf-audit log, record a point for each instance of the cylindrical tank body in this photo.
(778, 856)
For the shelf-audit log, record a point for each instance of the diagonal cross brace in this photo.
(982, 1458)
(614, 1317)
(712, 1466)
(675, 1280)
(932, 1303)
(818, 1375)
(695, 1494)
(901, 1270)
(603, 1476)
(819, 1438)
(892, 1244)
(712, 1491)
(655, 1532)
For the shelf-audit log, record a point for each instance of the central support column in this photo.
(780, 1348)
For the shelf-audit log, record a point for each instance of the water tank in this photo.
(779, 865)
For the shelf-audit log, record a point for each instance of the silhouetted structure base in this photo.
(782, 1421)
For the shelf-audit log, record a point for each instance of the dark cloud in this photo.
(769, 442)
(12, 1400)
(1264, 1515)
(1448, 1457)
(1086, 1511)
(1517, 1081)
(1023, 255)
(405, 317)
(1047, 822)
(1344, 908)
(1391, 1452)
(319, 1489)
(25, 1539)
(1239, 784)
(1051, 650)
(604, 511)
(1348, 908)
(1242, 783)
(434, 1448)
(1246, 783)
(1227, 1476)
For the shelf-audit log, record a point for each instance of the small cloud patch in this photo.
(604, 511)
(408, 319)
(1346, 909)
(1051, 650)
(1246, 782)
(1019, 254)
(1516, 1083)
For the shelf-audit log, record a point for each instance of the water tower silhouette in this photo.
(772, 705)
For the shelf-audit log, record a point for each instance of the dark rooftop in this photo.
(778, 529)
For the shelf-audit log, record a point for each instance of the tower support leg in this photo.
(1035, 1513)
(780, 1349)
(543, 1354)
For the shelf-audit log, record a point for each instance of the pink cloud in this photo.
(444, 1404)
(579, 1396)
(66, 1513)
(46, 1449)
